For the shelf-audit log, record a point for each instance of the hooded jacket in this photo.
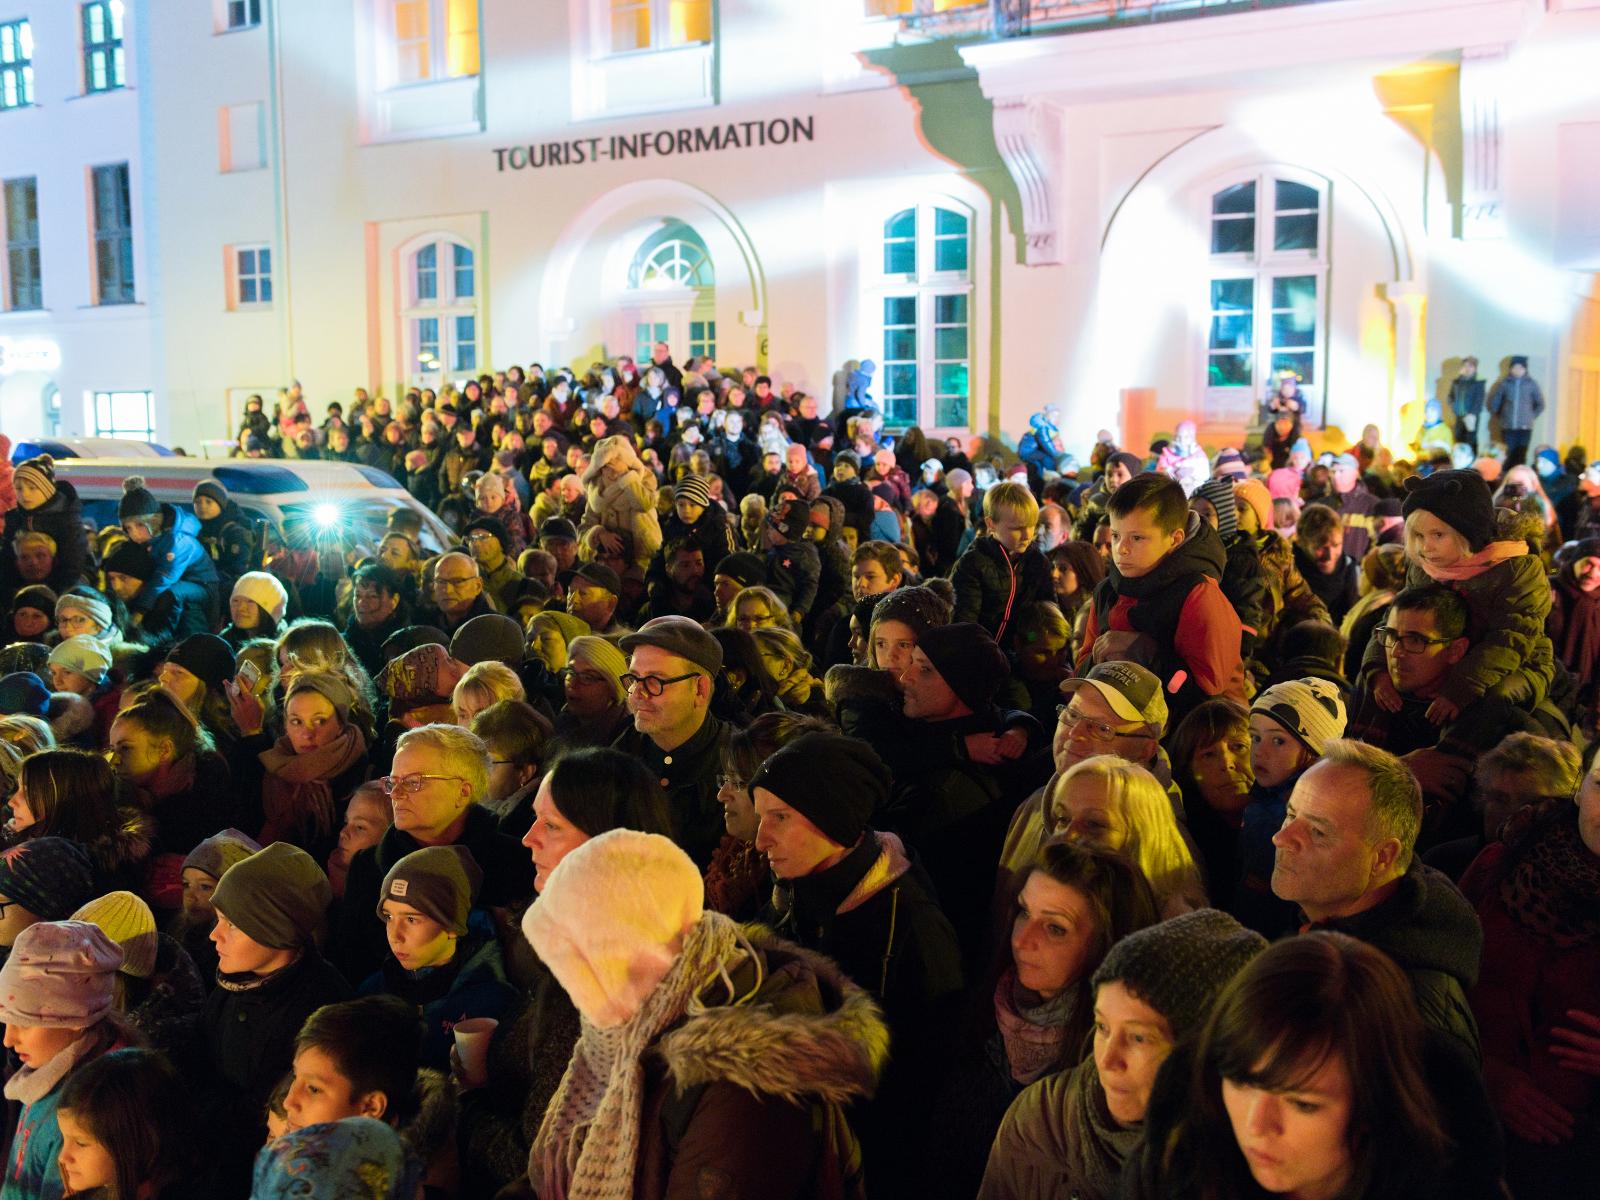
(1430, 930)
(61, 517)
(992, 586)
(179, 558)
(472, 984)
(628, 503)
(227, 539)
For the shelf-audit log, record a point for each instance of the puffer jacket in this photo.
(228, 540)
(1517, 402)
(61, 517)
(179, 558)
(992, 586)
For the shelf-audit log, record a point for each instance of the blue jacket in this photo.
(31, 1170)
(179, 558)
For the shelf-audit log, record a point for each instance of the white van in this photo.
(356, 498)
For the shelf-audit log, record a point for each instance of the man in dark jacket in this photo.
(1357, 506)
(438, 781)
(1466, 402)
(937, 526)
(1345, 856)
(458, 594)
(1518, 401)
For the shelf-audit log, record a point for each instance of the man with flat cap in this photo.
(672, 667)
(593, 593)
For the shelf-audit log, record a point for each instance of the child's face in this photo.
(1433, 541)
(1043, 657)
(1276, 755)
(63, 680)
(29, 622)
(415, 940)
(1012, 529)
(1138, 542)
(36, 1045)
(84, 1161)
(197, 889)
(238, 953)
(321, 1093)
(688, 511)
(1587, 573)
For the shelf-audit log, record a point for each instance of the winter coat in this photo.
(359, 945)
(228, 539)
(61, 517)
(1431, 932)
(1358, 513)
(119, 854)
(627, 505)
(689, 775)
(1244, 583)
(1517, 402)
(168, 1007)
(794, 571)
(472, 984)
(32, 1172)
(367, 644)
(455, 464)
(179, 558)
(991, 586)
(938, 540)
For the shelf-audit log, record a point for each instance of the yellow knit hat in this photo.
(128, 921)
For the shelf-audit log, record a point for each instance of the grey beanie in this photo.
(1180, 966)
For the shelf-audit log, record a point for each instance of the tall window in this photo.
(243, 14)
(433, 39)
(656, 24)
(925, 268)
(102, 45)
(125, 415)
(24, 283)
(443, 308)
(16, 64)
(1268, 280)
(702, 339)
(113, 235)
(252, 275)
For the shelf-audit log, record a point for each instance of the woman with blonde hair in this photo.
(758, 608)
(1114, 804)
(484, 684)
(789, 664)
(20, 736)
(622, 498)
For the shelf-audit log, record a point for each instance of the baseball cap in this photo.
(1133, 692)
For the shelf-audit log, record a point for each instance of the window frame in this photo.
(444, 309)
(19, 70)
(659, 14)
(120, 234)
(438, 42)
(13, 247)
(1264, 265)
(251, 10)
(111, 46)
(146, 433)
(240, 276)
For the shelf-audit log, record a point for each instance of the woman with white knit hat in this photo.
(256, 608)
(756, 1070)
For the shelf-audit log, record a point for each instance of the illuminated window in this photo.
(125, 415)
(16, 65)
(634, 25)
(645, 336)
(252, 276)
(432, 39)
(1268, 284)
(926, 317)
(899, 8)
(24, 282)
(442, 309)
(113, 235)
(102, 46)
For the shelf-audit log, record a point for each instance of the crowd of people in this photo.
(756, 804)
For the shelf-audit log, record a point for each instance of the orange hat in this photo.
(1254, 493)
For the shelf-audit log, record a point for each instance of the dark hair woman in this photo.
(1315, 1078)
(1076, 568)
(73, 794)
(309, 772)
(1210, 752)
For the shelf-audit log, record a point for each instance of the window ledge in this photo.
(116, 91)
(237, 29)
(648, 81)
(23, 315)
(438, 108)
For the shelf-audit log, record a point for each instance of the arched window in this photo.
(923, 257)
(1267, 289)
(673, 256)
(673, 272)
(441, 284)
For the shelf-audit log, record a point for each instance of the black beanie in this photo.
(1460, 499)
(918, 606)
(212, 489)
(130, 558)
(137, 500)
(205, 656)
(835, 782)
(968, 659)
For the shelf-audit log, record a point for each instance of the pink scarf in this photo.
(1033, 1037)
(1489, 557)
(295, 795)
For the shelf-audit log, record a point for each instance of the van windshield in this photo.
(360, 523)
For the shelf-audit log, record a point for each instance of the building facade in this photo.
(1136, 210)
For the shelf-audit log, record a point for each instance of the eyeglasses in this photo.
(653, 685)
(410, 785)
(1411, 643)
(1095, 731)
(586, 678)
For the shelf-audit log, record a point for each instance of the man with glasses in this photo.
(378, 609)
(672, 665)
(438, 782)
(457, 593)
(486, 540)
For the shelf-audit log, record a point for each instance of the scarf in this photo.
(32, 1084)
(1474, 565)
(1033, 1034)
(295, 789)
(249, 981)
(1553, 891)
(170, 779)
(1580, 638)
(588, 1144)
(1097, 1145)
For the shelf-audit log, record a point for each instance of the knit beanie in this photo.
(440, 882)
(611, 919)
(264, 589)
(137, 500)
(1284, 483)
(49, 876)
(571, 627)
(129, 558)
(127, 921)
(212, 490)
(84, 655)
(968, 659)
(602, 656)
(205, 656)
(1220, 493)
(1460, 499)
(919, 607)
(37, 597)
(744, 568)
(1180, 966)
(278, 896)
(1254, 493)
(488, 637)
(1230, 465)
(694, 489)
(59, 975)
(38, 472)
(92, 604)
(493, 526)
(330, 687)
(835, 782)
(791, 520)
(1308, 708)
(24, 694)
(220, 851)
(1132, 461)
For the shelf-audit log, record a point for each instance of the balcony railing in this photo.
(1019, 18)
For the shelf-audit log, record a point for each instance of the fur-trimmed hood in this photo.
(805, 1031)
(127, 845)
(848, 683)
(428, 1131)
(70, 716)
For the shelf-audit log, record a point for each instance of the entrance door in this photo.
(671, 296)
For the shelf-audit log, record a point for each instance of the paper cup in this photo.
(472, 1048)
